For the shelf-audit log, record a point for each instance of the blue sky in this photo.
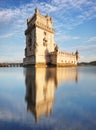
(73, 20)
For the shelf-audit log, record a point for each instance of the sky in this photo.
(73, 20)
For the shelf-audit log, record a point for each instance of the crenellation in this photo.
(41, 49)
(46, 28)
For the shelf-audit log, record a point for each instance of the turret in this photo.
(77, 55)
(36, 11)
(56, 49)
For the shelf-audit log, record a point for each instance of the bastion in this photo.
(41, 49)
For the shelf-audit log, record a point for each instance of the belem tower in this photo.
(41, 49)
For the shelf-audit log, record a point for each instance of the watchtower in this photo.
(41, 49)
(39, 40)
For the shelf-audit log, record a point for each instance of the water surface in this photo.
(48, 98)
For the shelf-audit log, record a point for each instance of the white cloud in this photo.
(91, 39)
(85, 47)
(6, 15)
(6, 35)
(74, 12)
(66, 15)
(67, 37)
(61, 8)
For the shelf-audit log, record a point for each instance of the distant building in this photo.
(41, 49)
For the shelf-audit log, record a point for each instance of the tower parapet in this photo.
(41, 49)
(43, 22)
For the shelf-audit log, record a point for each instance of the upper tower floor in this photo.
(43, 22)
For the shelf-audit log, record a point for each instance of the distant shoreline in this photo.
(11, 64)
(92, 63)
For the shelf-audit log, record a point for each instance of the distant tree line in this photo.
(88, 63)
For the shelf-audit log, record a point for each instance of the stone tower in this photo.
(39, 40)
(41, 49)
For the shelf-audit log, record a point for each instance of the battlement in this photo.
(63, 53)
(41, 49)
(39, 16)
(44, 22)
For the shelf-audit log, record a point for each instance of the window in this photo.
(44, 33)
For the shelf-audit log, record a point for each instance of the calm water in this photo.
(48, 99)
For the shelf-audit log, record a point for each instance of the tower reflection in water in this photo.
(40, 87)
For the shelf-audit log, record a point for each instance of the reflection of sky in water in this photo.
(73, 90)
